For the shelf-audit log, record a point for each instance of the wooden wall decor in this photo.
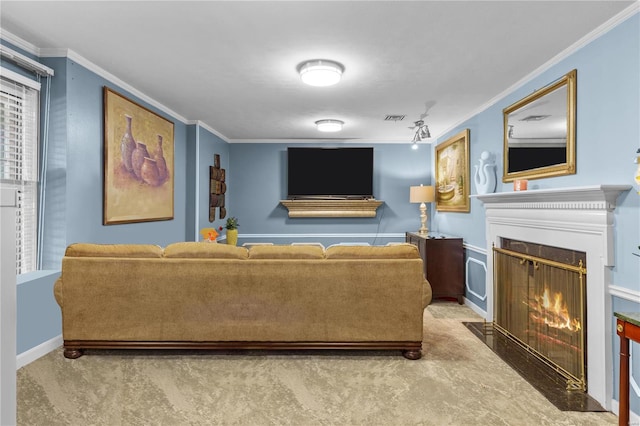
(217, 189)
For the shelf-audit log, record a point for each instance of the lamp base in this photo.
(423, 220)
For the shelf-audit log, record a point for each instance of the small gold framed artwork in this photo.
(452, 174)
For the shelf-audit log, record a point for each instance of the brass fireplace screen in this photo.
(541, 305)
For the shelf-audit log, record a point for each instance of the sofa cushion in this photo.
(286, 252)
(400, 251)
(113, 250)
(205, 251)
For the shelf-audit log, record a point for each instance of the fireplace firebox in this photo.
(540, 303)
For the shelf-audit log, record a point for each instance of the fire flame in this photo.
(553, 311)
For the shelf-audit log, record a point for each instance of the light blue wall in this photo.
(74, 181)
(74, 188)
(259, 181)
(191, 190)
(39, 316)
(84, 168)
(607, 137)
(210, 144)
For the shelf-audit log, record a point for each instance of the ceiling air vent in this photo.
(394, 117)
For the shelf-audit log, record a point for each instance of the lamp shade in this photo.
(422, 194)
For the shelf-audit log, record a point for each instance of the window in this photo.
(19, 106)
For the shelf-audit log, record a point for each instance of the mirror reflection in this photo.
(539, 132)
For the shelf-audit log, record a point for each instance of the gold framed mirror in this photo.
(540, 132)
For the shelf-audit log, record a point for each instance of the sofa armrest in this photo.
(426, 293)
(57, 290)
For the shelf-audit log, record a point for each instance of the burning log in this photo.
(552, 312)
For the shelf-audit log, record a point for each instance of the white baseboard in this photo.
(634, 419)
(475, 308)
(39, 351)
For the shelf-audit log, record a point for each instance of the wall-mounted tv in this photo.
(330, 173)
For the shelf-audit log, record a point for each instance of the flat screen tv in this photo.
(330, 173)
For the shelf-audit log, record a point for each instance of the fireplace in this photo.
(579, 219)
(540, 304)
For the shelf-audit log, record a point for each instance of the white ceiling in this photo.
(232, 65)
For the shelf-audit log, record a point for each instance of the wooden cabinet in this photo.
(443, 259)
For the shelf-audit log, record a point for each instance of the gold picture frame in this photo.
(138, 162)
(452, 174)
(540, 132)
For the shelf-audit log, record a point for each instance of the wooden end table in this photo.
(627, 327)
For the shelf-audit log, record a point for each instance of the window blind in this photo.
(19, 106)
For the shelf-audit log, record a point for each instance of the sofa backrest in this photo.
(196, 250)
(286, 252)
(400, 251)
(200, 250)
(114, 250)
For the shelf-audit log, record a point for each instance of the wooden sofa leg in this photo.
(72, 353)
(412, 354)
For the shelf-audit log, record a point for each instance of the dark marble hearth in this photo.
(540, 376)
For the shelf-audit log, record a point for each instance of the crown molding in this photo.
(209, 129)
(591, 36)
(53, 52)
(80, 60)
(18, 42)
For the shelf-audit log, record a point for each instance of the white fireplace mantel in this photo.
(582, 219)
(597, 197)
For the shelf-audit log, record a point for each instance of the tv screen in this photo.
(330, 172)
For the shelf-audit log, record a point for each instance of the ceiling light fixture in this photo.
(329, 125)
(422, 131)
(320, 72)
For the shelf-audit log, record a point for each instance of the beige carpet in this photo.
(459, 381)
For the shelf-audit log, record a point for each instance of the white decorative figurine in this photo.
(485, 174)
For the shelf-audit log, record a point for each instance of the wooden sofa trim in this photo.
(75, 348)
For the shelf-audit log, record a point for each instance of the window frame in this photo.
(27, 216)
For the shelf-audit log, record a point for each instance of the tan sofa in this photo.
(213, 296)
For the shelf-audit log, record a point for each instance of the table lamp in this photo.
(422, 194)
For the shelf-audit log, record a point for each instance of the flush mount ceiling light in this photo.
(320, 72)
(329, 125)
